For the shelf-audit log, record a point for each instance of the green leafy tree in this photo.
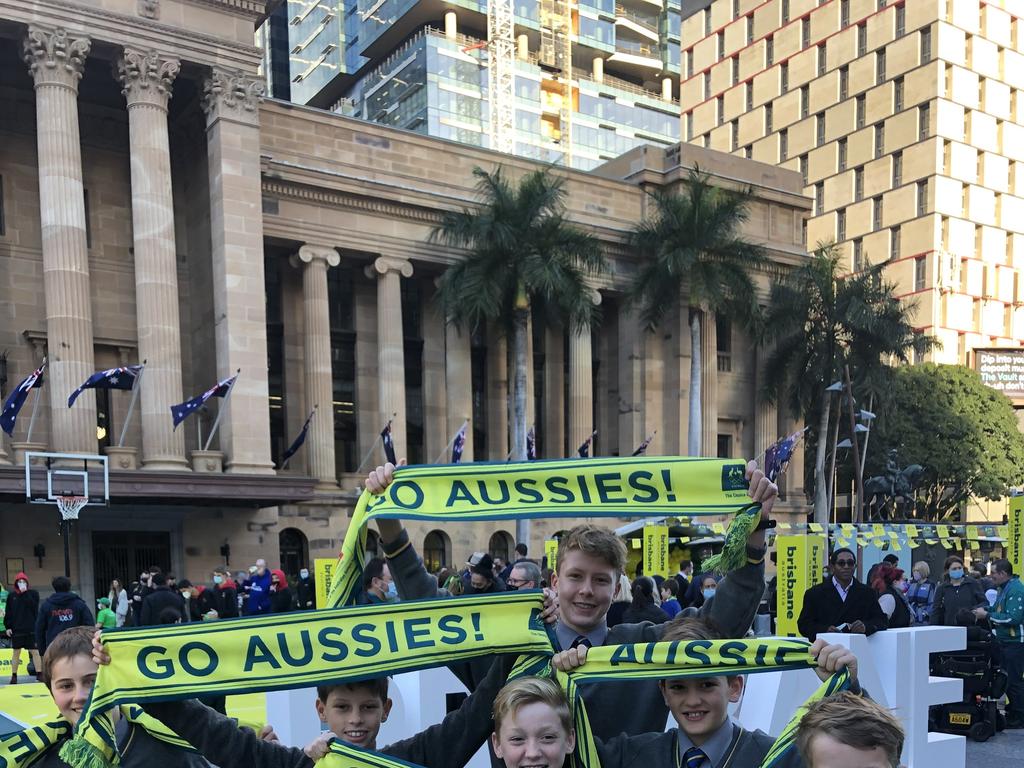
(821, 321)
(520, 251)
(691, 250)
(962, 432)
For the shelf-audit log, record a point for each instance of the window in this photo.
(437, 549)
(897, 169)
(720, 108)
(862, 38)
(924, 115)
(819, 198)
(844, 14)
(842, 154)
(748, 151)
(689, 126)
(821, 59)
(920, 270)
(858, 183)
(922, 197)
(844, 82)
(860, 111)
(803, 232)
(876, 213)
(721, 45)
(819, 128)
(735, 9)
(750, 29)
(897, 94)
(735, 70)
(805, 31)
(784, 75)
(840, 225)
(723, 342)
(894, 243)
(769, 50)
(926, 45)
(901, 21)
(724, 444)
(803, 167)
(735, 126)
(858, 255)
(880, 66)
(3, 230)
(689, 62)
(707, 21)
(783, 145)
(879, 140)
(785, 11)
(707, 85)
(805, 100)
(88, 219)
(768, 118)
(749, 87)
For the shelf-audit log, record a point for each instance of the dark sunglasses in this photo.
(849, 563)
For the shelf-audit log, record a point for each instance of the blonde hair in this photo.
(594, 541)
(852, 720)
(922, 567)
(531, 690)
(625, 593)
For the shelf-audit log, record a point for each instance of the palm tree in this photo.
(821, 322)
(692, 243)
(522, 252)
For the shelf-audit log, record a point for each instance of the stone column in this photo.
(709, 383)
(316, 318)
(146, 79)
(458, 377)
(631, 385)
(56, 60)
(231, 101)
(766, 414)
(389, 272)
(581, 385)
(554, 394)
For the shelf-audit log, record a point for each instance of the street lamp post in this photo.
(859, 506)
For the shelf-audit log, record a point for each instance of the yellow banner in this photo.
(1015, 534)
(801, 561)
(551, 552)
(656, 550)
(323, 574)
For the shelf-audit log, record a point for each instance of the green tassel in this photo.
(79, 753)
(734, 553)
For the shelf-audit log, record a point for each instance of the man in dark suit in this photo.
(841, 604)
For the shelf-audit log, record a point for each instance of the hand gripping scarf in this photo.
(298, 650)
(611, 487)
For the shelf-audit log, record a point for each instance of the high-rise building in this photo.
(905, 119)
(588, 80)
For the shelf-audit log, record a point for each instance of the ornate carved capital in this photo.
(311, 253)
(232, 95)
(149, 9)
(146, 77)
(384, 264)
(55, 56)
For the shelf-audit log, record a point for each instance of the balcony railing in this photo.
(647, 22)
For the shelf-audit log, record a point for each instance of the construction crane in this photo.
(501, 74)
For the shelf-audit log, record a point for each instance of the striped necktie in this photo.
(694, 757)
(581, 640)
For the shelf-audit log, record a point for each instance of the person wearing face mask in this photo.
(222, 600)
(20, 622)
(280, 593)
(957, 591)
(259, 590)
(160, 598)
(524, 575)
(378, 586)
(305, 591)
(921, 593)
(482, 579)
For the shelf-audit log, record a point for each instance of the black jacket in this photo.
(306, 592)
(225, 599)
(951, 598)
(651, 613)
(661, 750)
(22, 609)
(824, 608)
(60, 611)
(281, 600)
(155, 602)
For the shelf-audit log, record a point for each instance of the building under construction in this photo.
(576, 82)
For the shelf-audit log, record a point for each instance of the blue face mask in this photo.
(709, 593)
(392, 593)
(956, 573)
(218, 579)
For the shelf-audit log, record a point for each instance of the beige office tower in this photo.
(904, 119)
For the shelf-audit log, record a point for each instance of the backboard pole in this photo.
(65, 532)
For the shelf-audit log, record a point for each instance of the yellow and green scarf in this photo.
(611, 487)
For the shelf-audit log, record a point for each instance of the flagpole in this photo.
(369, 453)
(451, 442)
(309, 420)
(35, 405)
(131, 404)
(220, 411)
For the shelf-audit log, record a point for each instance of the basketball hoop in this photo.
(70, 506)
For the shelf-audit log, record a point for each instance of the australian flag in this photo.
(112, 378)
(182, 411)
(14, 401)
(645, 444)
(458, 445)
(531, 445)
(584, 450)
(298, 441)
(389, 444)
(777, 457)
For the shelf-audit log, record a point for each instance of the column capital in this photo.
(311, 252)
(384, 264)
(55, 56)
(232, 94)
(146, 77)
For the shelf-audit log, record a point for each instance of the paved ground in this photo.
(1003, 749)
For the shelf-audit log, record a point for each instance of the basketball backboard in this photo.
(51, 475)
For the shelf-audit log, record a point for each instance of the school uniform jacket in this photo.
(824, 608)
(661, 750)
(138, 750)
(449, 744)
